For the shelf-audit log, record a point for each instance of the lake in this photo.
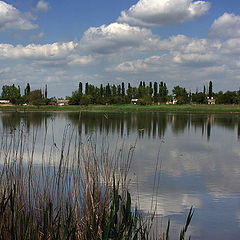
(195, 157)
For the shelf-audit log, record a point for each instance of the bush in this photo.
(146, 100)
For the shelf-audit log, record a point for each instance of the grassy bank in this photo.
(131, 108)
(79, 191)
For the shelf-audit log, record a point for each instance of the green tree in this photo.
(80, 88)
(27, 89)
(11, 93)
(150, 92)
(180, 94)
(123, 89)
(155, 92)
(199, 98)
(210, 90)
(119, 90)
(35, 97)
(163, 92)
(45, 91)
(129, 93)
(101, 91)
(86, 88)
(75, 98)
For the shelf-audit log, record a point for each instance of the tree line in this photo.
(34, 97)
(148, 94)
(119, 94)
(153, 92)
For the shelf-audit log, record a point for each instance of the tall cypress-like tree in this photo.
(86, 89)
(45, 95)
(119, 90)
(114, 90)
(101, 90)
(129, 92)
(150, 89)
(108, 90)
(123, 89)
(80, 88)
(210, 92)
(27, 89)
(155, 91)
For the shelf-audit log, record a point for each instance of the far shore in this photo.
(194, 108)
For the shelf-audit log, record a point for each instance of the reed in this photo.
(79, 191)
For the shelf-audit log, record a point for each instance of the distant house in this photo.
(4, 102)
(61, 102)
(211, 100)
(134, 101)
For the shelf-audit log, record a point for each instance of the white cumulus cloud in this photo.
(150, 64)
(36, 51)
(116, 36)
(11, 18)
(77, 60)
(42, 6)
(226, 26)
(162, 12)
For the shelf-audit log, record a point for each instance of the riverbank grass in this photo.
(131, 108)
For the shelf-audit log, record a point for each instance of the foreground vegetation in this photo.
(199, 108)
(79, 191)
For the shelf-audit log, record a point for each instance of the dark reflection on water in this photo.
(147, 124)
(200, 159)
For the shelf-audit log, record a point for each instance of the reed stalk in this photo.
(80, 190)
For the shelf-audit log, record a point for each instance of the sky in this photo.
(61, 43)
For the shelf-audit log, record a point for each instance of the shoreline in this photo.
(231, 109)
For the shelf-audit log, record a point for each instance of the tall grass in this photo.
(79, 191)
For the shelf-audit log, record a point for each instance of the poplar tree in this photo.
(101, 90)
(210, 93)
(123, 89)
(27, 89)
(86, 88)
(155, 90)
(119, 90)
(80, 88)
(46, 91)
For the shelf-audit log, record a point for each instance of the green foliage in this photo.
(199, 98)
(45, 92)
(210, 90)
(227, 97)
(146, 100)
(75, 98)
(11, 93)
(163, 92)
(35, 97)
(85, 100)
(180, 94)
(27, 89)
(117, 221)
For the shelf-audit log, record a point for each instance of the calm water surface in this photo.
(198, 161)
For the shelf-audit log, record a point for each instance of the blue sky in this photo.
(59, 43)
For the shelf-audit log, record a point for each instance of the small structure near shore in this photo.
(211, 100)
(4, 101)
(134, 101)
(61, 102)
